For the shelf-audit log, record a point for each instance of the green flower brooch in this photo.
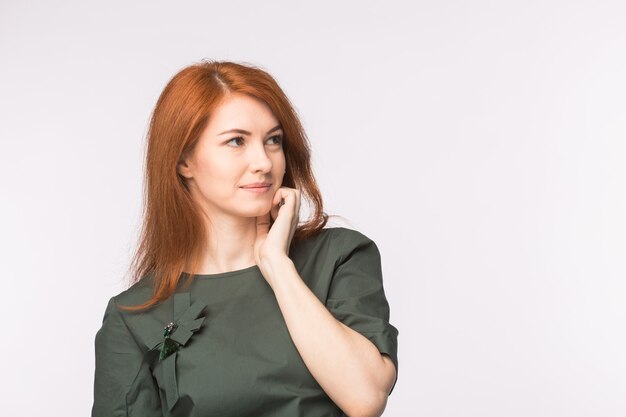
(169, 345)
(175, 336)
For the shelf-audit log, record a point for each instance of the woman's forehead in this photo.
(240, 111)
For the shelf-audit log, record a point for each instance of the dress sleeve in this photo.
(123, 383)
(356, 296)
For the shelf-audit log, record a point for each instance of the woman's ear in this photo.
(183, 168)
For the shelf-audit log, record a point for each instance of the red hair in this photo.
(173, 233)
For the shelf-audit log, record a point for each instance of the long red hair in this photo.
(173, 233)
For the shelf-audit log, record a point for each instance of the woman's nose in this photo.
(259, 159)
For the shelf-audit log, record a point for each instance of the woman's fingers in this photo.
(285, 216)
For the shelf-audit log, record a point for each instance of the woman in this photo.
(237, 309)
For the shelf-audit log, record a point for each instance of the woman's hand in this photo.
(272, 245)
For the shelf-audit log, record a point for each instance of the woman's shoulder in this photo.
(336, 241)
(346, 235)
(145, 325)
(137, 293)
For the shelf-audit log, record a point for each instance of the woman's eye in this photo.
(238, 138)
(279, 139)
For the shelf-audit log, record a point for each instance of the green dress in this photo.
(235, 356)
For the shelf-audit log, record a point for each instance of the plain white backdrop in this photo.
(480, 144)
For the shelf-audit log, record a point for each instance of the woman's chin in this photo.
(255, 213)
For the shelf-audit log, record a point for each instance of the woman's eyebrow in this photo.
(245, 132)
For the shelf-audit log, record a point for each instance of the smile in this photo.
(257, 190)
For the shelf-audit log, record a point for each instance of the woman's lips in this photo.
(257, 190)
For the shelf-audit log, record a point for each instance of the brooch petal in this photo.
(176, 335)
(169, 345)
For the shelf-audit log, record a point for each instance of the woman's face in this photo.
(241, 145)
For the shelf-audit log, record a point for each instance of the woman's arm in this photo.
(350, 368)
(123, 384)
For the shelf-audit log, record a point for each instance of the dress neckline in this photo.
(225, 274)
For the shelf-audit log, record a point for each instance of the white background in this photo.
(480, 144)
